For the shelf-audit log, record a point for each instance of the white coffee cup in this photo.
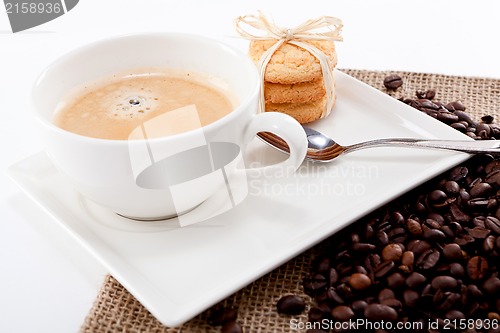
(106, 171)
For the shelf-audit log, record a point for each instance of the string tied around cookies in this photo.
(322, 28)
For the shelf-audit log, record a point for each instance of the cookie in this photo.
(292, 64)
(294, 93)
(302, 112)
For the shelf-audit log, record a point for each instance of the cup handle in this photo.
(285, 127)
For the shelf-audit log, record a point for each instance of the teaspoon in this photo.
(322, 148)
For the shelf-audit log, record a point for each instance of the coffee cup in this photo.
(129, 176)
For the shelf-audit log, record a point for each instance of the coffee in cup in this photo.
(112, 107)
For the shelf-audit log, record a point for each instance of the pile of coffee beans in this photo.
(433, 255)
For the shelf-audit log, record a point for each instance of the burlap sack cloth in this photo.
(116, 310)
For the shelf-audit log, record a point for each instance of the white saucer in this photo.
(178, 272)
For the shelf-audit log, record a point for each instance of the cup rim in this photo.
(218, 123)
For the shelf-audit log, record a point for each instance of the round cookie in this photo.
(303, 92)
(291, 63)
(302, 112)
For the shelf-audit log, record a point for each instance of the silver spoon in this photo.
(323, 149)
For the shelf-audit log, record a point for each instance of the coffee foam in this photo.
(112, 107)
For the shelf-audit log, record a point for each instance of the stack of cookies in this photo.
(293, 80)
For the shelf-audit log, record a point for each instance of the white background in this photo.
(47, 282)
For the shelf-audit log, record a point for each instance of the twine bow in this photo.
(321, 28)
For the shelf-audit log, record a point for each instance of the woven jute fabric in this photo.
(116, 310)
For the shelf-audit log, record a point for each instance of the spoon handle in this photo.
(466, 146)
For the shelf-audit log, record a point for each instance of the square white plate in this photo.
(178, 272)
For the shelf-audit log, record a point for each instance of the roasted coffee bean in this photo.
(480, 190)
(378, 312)
(315, 314)
(393, 82)
(363, 247)
(392, 252)
(410, 297)
(342, 313)
(492, 285)
(444, 282)
(382, 237)
(315, 283)
(291, 305)
(434, 235)
(414, 227)
(488, 119)
(334, 296)
(445, 300)
(385, 293)
(418, 246)
(459, 173)
(437, 196)
(222, 315)
(457, 270)
(393, 303)
(456, 105)
(231, 327)
(454, 315)
(384, 268)
(478, 232)
(493, 224)
(447, 117)
(415, 280)
(359, 281)
(359, 306)
(477, 267)
(489, 244)
(395, 280)
(408, 258)
(428, 259)
(333, 276)
(452, 251)
(459, 127)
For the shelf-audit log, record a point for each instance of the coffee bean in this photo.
(291, 305)
(410, 297)
(452, 251)
(493, 224)
(408, 258)
(315, 284)
(392, 252)
(414, 227)
(231, 327)
(444, 282)
(395, 280)
(418, 246)
(378, 312)
(334, 296)
(385, 293)
(384, 268)
(434, 235)
(488, 119)
(457, 270)
(454, 315)
(428, 259)
(222, 315)
(489, 244)
(359, 281)
(342, 313)
(477, 267)
(458, 173)
(315, 314)
(480, 190)
(415, 280)
(359, 306)
(492, 285)
(363, 247)
(333, 276)
(393, 82)
(478, 232)
(457, 105)
(447, 117)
